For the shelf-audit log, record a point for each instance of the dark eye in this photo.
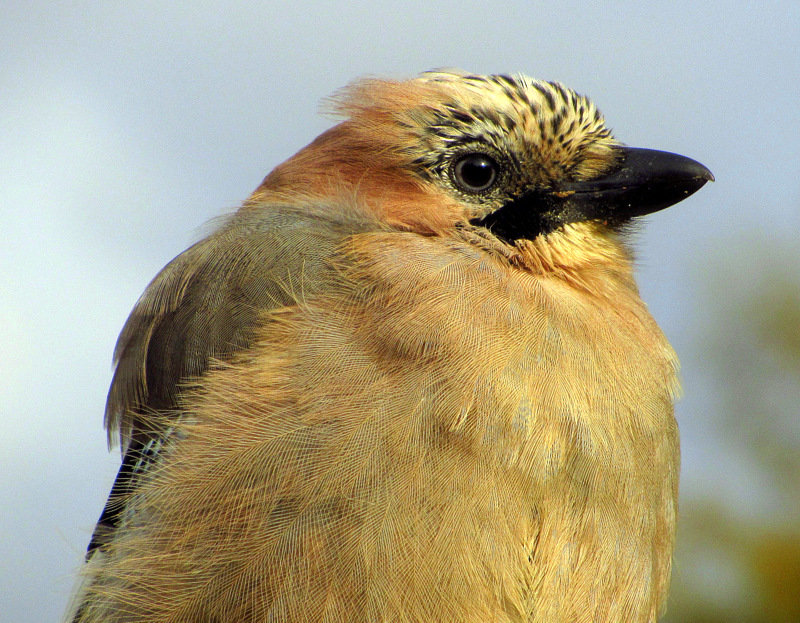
(475, 173)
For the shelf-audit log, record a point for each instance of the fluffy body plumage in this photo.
(355, 402)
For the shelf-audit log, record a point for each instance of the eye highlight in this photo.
(475, 172)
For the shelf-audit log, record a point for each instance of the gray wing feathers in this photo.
(206, 303)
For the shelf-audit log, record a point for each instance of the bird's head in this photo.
(515, 157)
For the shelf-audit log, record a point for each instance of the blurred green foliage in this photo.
(743, 564)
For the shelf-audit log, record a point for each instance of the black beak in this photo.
(643, 181)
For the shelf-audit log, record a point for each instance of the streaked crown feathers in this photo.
(543, 130)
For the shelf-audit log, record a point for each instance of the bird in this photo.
(410, 379)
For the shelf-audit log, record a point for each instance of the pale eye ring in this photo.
(475, 172)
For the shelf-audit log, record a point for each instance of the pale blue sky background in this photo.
(124, 127)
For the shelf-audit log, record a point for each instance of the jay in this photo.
(411, 379)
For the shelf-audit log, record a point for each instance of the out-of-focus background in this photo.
(124, 127)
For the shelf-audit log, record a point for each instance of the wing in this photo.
(201, 308)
